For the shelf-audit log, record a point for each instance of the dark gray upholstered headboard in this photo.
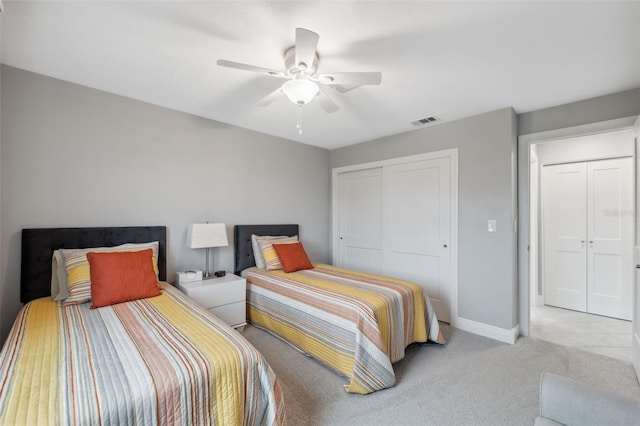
(38, 246)
(243, 252)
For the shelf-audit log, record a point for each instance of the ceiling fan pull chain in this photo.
(299, 124)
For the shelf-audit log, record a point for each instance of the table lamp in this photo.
(207, 235)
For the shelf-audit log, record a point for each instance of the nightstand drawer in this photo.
(233, 314)
(211, 294)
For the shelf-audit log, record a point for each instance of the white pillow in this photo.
(59, 276)
(271, 258)
(59, 288)
(257, 250)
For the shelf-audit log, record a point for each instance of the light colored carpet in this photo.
(471, 380)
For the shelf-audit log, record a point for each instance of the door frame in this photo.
(452, 155)
(525, 143)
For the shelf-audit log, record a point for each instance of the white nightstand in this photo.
(225, 297)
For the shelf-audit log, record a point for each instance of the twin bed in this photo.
(166, 360)
(157, 360)
(356, 324)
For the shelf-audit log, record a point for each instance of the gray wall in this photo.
(75, 156)
(1, 321)
(593, 110)
(486, 266)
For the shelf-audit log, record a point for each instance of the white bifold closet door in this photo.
(588, 234)
(395, 220)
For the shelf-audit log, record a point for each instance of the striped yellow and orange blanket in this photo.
(355, 323)
(161, 360)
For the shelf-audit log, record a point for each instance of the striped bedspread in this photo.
(161, 360)
(355, 323)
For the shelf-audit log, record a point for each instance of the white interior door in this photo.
(360, 216)
(610, 237)
(416, 223)
(564, 219)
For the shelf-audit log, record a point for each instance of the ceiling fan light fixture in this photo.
(300, 91)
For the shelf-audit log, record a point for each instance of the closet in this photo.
(395, 220)
(587, 229)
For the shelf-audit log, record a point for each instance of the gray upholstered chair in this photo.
(567, 402)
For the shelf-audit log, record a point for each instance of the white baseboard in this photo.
(490, 331)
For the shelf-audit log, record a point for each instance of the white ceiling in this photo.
(448, 59)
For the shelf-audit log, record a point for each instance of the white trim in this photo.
(490, 331)
(582, 130)
(398, 160)
(635, 326)
(452, 154)
(453, 306)
(635, 353)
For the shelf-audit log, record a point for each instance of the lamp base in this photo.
(207, 275)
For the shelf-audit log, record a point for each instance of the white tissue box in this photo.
(188, 276)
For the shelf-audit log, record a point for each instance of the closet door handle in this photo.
(582, 241)
(590, 241)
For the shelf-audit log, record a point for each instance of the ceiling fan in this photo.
(301, 71)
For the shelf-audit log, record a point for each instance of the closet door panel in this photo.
(428, 272)
(361, 220)
(564, 235)
(417, 217)
(610, 232)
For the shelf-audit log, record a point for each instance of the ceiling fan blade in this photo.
(306, 45)
(351, 78)
(252, 68)
(270, 98)
(344, 89)
(325, 100)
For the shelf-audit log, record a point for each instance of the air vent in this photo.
(426, 121)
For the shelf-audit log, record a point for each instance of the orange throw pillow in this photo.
(122, 276)
(293, 257)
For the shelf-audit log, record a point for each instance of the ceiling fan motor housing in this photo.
(293, 68)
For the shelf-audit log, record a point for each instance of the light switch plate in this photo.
(492, 225)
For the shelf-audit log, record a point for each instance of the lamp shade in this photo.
(300, 91)
(204, 235)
